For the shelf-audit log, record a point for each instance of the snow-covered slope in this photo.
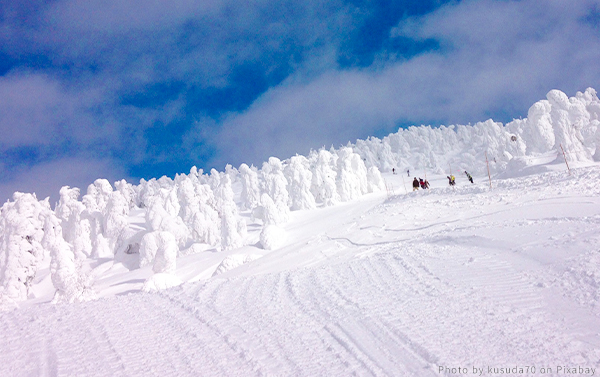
(390, 284)
(322, 265)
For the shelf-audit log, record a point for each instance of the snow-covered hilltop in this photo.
(557, 121)
(161, 220)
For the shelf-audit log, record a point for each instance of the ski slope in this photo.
(441, 282)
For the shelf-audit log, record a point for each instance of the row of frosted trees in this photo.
(573, 123)
(184, 215)
(198, 211)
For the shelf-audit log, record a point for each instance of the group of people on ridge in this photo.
(424, 184)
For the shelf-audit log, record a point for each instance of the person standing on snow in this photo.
(469, 176)
(415, 184)
(408, 173)
(451, 180)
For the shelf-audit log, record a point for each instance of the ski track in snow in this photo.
(463, 277)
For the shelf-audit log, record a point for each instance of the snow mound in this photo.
(161, 281)
(272, 237)
(234, 261)
(159, 248)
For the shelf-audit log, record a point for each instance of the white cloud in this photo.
(36, 109)
(46, 179)
(496, 57)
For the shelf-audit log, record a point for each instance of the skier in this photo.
(426, 184)
(422, 183)
(469, 176)
(415, 184)
(408, 172)
(393, 170)
(451, 180)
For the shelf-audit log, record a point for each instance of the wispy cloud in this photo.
(48, 177)
(35, 109)
(495, 58)
(126, 80)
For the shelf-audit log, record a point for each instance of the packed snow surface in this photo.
(396, 283)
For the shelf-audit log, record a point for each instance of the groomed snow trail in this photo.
(445, 278)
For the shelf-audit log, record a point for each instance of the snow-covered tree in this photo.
(323, 184)
(567, 120)
(276, 186)
(299, 176)
(274, 209)
(95, 202)
(189, 201)
(269, 213)
(538, 129)
(375, 180)
(232, 172)
(170, 201)
(375, 152)
(271, 235)
(70, 282)
(21, 251)
(250, 196)
(352, 175)
(206, 224)
(224, 193)
(195, 173)
(158, 219)
(233, 228)
(197, 211)
(214, 179)
(596, 140)
(115, 221)
(128, 191)
(97, 195)
(160, 249)
(75, 227)
(146, 190)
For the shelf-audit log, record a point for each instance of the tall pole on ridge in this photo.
(565, 156)
(488, 169)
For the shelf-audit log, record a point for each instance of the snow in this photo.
(160, 281)
(272, 237)
(196, 276)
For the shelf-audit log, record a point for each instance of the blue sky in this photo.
(140, 89)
